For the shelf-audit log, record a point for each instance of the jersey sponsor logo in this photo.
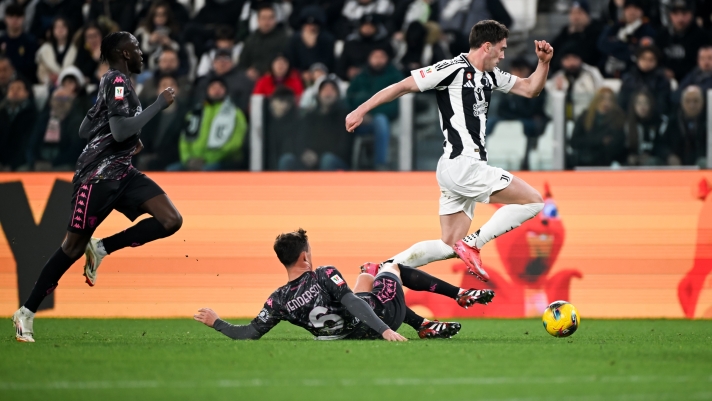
(269, 302)
(264, 315)
(422, 74)
(338, 280)
(480, 109)
(429, 70)
(118, 80)
(119, 93)
(303, 299)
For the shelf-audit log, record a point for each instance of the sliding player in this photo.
(321, 302)
(105, 180)
(464, 86)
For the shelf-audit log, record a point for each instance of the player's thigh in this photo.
(517, 192)
(364, 283)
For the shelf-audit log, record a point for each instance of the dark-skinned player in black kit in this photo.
(104, 179)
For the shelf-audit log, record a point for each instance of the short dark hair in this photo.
(224, 32)
(648, 49)
(288, 246)
(15, 10)
(111, 45)
(487, 31)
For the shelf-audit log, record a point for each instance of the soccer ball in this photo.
(561, 319)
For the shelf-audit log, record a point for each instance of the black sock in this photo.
(418, 280)
(412, 319)
(144, 231)
(48, 279)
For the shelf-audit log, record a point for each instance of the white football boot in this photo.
(22, 320)
(95, 253)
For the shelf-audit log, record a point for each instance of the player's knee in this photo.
(75, 248)
(173, 222)
(392, 268)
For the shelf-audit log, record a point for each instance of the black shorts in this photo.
(388, 301)
(92, 203)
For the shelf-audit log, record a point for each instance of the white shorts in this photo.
(464, 181)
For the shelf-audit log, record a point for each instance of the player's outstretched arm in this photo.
(209, 318)
(360, 309)
(533, 85)
(389, 94)
(123, 128)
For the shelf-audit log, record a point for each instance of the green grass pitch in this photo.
(118, 359)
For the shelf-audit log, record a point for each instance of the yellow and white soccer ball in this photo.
(561, 319)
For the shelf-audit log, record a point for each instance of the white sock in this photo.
(424, 252)
(27, 312)
(505, 219)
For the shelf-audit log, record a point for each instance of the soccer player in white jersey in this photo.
(463, 87)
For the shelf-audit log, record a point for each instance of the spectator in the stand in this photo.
(168, 64)
(160, 136)
(378, 74)
(179, 11)
(158, 31)
(311, 44)
(687, 131)
(7, 74)
(646, 74)
(459, 16)
(214, 135)
(651, 10)
(17, 45)
(418, 52)
(285, 136)
(327, 146)
(238, 84)
(280, 74)
(17, 120)
(598, 138)
(46, 11)
(530, 112)
(248, 22)
(681, 42)
(123, 12)
(213, 14)
(354, 10)
(370, 35)
(263, 45)
(224, 39)
(578, 80)
(88, 45)
(56, 145)
(701, 76)
(55, 54)
(317, 74)
(581, 30)
(619, 41)
(645, 131)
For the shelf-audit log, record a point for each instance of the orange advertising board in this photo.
(619, 245)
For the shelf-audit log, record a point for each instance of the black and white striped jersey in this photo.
(463, 94)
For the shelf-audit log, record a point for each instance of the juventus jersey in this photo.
(463, 94)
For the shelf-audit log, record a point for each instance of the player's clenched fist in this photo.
(544, 51)
(206, 316)
(390, 335)
(169, 94)
(353, 120)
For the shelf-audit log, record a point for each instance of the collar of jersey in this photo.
(464, 57)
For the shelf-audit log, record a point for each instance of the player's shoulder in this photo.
(114, 77)
(330, 273)
(451, 64)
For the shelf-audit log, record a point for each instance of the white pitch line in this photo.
(403, 381)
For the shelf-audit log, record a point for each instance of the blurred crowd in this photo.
(314, 60)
